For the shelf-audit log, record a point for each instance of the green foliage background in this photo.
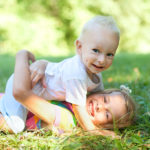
(51, 27)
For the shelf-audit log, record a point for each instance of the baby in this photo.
(73, 78)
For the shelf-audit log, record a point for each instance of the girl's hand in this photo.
(109, 133)
(27, 54)
(37, 70)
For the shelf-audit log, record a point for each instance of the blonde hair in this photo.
(101, 21)
(128, 118)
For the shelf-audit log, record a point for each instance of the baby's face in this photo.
(103, 107)
(97, 48)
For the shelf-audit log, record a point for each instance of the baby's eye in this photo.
(95, 50)
(110, 54)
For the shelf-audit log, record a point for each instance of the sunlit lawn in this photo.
(132, 70)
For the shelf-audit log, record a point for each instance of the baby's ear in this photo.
(78, 46)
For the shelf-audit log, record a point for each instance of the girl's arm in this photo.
(83, 118)
(22, 89)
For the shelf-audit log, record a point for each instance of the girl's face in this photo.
(102, 108)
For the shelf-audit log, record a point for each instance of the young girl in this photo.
(102, 108)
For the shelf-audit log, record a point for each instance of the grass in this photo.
(132, 70)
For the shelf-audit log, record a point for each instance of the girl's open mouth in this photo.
(91, 105)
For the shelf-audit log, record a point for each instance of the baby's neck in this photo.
(93, 77)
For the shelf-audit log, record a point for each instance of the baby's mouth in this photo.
(98, 67)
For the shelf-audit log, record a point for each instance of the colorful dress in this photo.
(64, 121)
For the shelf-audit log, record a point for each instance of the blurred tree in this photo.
(54, 25)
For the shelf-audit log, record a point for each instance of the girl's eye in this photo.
(110, 54)
(95, 50)
(107, 114)
(105, 100)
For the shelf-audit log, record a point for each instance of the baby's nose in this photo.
(101, 58)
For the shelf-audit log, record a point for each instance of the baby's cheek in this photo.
(110, 62)
(86, 60)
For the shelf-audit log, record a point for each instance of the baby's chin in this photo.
(96, 71)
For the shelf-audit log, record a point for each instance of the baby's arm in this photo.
(85, 122)
(37, 70)
(22, 89)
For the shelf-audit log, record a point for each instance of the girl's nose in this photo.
(101, 107)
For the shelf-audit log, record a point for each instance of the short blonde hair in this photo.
(101, 21)
(128, 118)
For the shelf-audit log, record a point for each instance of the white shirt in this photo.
(68, 81)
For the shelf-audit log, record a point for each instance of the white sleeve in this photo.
(76, 91)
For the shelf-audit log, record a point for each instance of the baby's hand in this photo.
(37, 70)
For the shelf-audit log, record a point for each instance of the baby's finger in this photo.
(44, 82)
(38, 77)
(33, 74)
(35, 80)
